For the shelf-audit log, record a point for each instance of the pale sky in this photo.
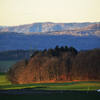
(18, 12)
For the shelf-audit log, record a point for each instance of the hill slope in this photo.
(13, 41)
(81, 38)
(85, 31)
(45, 27)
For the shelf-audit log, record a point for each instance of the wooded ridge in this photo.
(45, 27)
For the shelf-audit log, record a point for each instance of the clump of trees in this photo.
(55, 65)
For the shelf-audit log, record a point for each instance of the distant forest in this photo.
(14, 41)
(15, 54)
(57, 65)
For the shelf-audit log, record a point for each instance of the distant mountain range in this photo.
(45, 27)
(48, 35)
(93, 29)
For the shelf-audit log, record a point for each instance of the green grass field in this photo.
(89, 85)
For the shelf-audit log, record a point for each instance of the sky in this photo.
(19, 12)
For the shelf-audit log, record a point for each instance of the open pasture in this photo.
(54, 86)
(85, 85)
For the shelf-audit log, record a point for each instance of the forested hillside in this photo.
(14, 41)
(45, 27)
(91, 30)
(56, 65)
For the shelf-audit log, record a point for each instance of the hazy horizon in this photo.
(44, 22)
(19, 12)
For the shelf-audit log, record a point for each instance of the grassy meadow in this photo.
(86, 85)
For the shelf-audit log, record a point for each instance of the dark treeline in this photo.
(14, 54)
(56, 65)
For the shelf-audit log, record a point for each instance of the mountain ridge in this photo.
(93, 30)
(85, 31)
(81, 38)
(45, 27)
